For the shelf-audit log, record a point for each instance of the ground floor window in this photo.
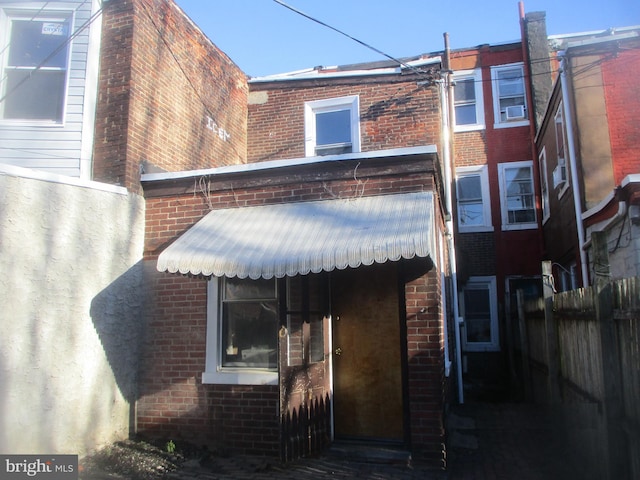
(479, 307)
(244, 317)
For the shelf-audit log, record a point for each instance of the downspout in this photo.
(446, 90)
(577, 203)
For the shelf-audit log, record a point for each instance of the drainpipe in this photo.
(446, 96)
(577, 202)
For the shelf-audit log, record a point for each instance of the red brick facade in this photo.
(168, 98)
(622, 97)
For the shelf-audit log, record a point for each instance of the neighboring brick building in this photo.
(497, 227)
(169, 99)
(587, 152)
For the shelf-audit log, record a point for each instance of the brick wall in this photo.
(622, 96)
(168, 98)
(427, 382)
(393, 114)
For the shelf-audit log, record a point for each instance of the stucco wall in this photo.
(70, 306)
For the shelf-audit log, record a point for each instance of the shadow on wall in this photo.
(117, 315)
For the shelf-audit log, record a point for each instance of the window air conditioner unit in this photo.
(559, 175)
(515, 112)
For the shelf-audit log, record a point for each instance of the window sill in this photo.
(468, 128)
(524, 226)
(478, 229)
(522, 123)
(240, 377)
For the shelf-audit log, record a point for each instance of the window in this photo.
(517, 198)
(480, 314)
(243, 320)
(472, 195)
(544, 184)
(332, 126)
(249, 313)
(35, 68)
(509, 96)
(468, 104)
(560, 172)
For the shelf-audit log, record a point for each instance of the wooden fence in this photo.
(306, 430)
(580, 351)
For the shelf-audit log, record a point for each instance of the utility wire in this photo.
(380, 52)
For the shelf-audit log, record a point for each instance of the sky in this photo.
(263, 37)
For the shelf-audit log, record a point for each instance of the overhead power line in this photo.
(364, 44)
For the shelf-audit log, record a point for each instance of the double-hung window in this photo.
(517, 198)
(468, 103)
(34, 68)
(332, 126)
(472, 197)
(479, 305)
(509, 96)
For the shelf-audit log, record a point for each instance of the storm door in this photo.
(368, 387)
(304, 366)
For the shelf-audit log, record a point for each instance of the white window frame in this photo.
(214, 372)
(544, 184)
(482, 172)
(487, 283)
(7, 15)
(506, 225)
(561, 176)
(351, 103)
(476, 76)
(498, 122)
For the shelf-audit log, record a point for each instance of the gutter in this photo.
(577, 203)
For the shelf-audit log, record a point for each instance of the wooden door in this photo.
(368, 400)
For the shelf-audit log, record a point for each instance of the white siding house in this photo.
(49, 58)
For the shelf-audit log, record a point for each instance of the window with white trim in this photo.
(544, 184)
(35, 66)
(472, 199)
(332, 126)
(243, 320)
(560, 172)
(517, 198)
(480, 311)
(468, 100)
(509, 96)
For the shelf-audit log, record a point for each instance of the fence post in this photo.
(524, 346)
(551, 333)
(615, 438)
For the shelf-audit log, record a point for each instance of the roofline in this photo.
(283, 163)
(327, 72)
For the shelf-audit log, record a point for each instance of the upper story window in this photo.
(509, 96)
(544, 184)
(560, 172)
(468, 102)
(332, 126)
(472, 198)
(34, 67)
(517, 199)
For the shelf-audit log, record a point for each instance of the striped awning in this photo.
(305, 237)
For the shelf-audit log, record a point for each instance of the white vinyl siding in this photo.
(62, 146)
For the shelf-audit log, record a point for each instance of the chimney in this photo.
(537, 47)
